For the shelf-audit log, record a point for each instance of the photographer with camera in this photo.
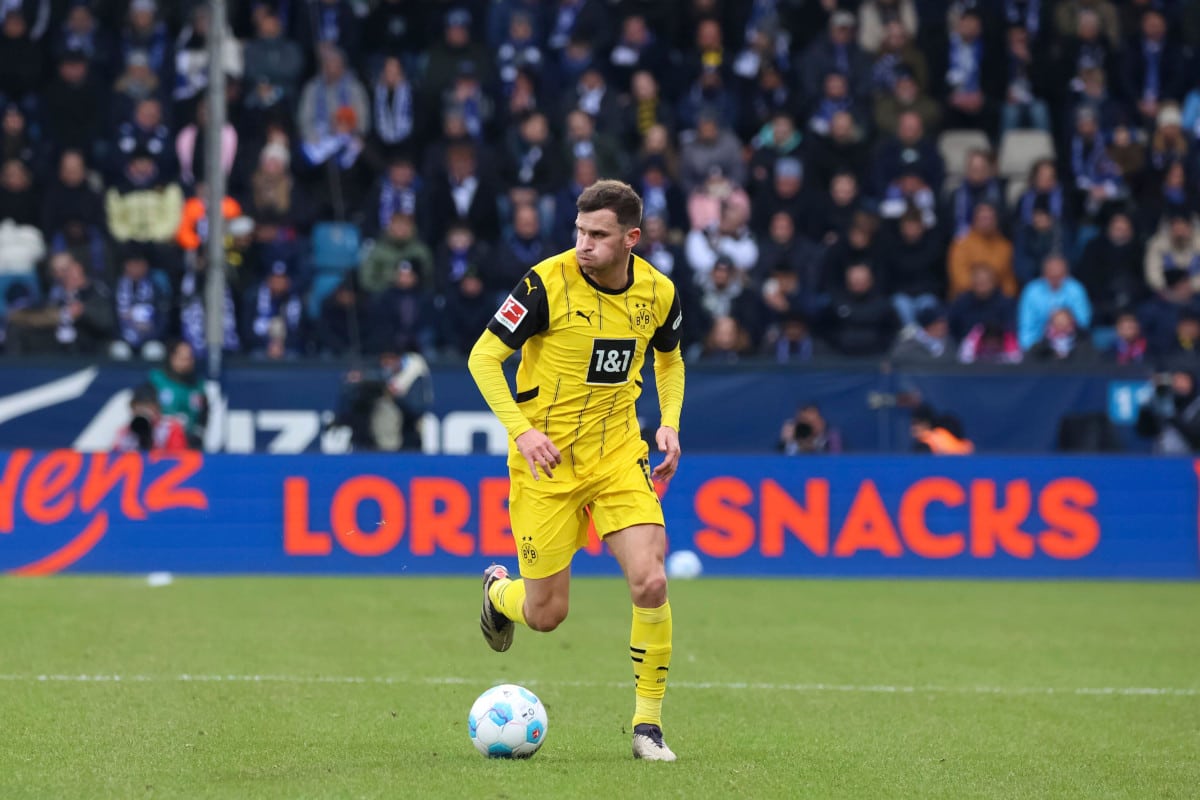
(1172, 414)
(382, 408)
(808, 433)
(148, 430)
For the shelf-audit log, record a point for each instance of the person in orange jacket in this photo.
(193, 225)
(939, 434)
(982, 244)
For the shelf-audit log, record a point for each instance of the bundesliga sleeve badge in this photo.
(511, 313)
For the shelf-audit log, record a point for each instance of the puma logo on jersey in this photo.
(529, 287)
(588, 317)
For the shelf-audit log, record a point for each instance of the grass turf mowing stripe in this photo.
(1147, 691)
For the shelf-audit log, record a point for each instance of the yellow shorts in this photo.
(550, 516)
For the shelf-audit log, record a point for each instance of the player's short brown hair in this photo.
(618, 197)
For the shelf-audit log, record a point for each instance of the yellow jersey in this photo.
(583, 348)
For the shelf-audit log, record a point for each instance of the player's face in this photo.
(601, 244)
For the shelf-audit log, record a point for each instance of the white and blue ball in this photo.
(684, 565)
(507, 721)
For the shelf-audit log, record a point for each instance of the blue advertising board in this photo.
(1000, 517)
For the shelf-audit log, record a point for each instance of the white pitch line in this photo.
(850, 688)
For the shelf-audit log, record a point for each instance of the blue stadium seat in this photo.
(8, 279)
(322, 286)
(335, 246)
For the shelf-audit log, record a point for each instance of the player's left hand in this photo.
(668, 442)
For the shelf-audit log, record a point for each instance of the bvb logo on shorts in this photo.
(528, 551)
(642, 319)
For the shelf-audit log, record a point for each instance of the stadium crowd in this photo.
(987, 181)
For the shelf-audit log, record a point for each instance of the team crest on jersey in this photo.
(528, 551)
(511, 313)
(643, 320)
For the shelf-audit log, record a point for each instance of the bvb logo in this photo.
(528, 551)
(642, 319)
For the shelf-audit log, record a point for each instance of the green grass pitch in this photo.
(349, 688)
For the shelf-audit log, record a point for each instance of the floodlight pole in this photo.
(214, 300)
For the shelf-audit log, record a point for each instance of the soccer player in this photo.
(584, 321)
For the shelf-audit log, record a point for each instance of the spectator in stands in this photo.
(592, 95)
(898, 55)
(584, 141)
(21, 56)
(1165, 194)
(1185, 348)
(776, 140)
(836, 51)
(274, 63)
(710, 145)
(834, 98)
(667, 258)
(980, 185)
(468, 309)
(520, 49)
(70, 196)
(1171, 417)
(645, 109)
(273, 191)
(912, 265)
(583, 175)
(136, 83)
(327, 94)
(784, 297)
(908, 149)
(1154, 66)
(181, 392)
(16, 142)
(1161, 313)
(193, 223)
(860, 246)
(1042, 297)
(910, 192)
(466, 98)
(792, 342)
(784, 194)
(1042, 235)
(191, 59)
(143, 207)
(149, 430)
(767, 95)
(726, 343)
(192, 303)
(731, 237)
(146, 34)
(455, 49)
(1129, 346)
(532, 159)
(333, 22)
(831, 215)
(860, 319)
(459, 255)
(983, 244)
(146, 132)
(875, 17)
(1097, 178)
(905, 96)
(808, 433)
(342, 324)
(343, 178)
(191, 147)
(275, 316)
(973, 76)
(141, 307)
(726, 292)
(842, 151)
(1027, 83)
(519, 250)
(1176, 246)
(1069, 13)
(785, 250)
(705, 203)
(402, 319)
(87, 244)
(76, 318)
(19, 199)
(658, 141)
(1112, 270)
(926, 341)
(72, 103)
(401, 189)
(400, 243)
(638, 50)
(660, 196)
(466, 194)
(1062, 341)
(982, 306)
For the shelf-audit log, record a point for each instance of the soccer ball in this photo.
(684, 564)
(507, 721)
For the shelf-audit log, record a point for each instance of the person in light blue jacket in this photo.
(1043, 296)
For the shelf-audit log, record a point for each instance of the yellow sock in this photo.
(650, 649)
(509, 597)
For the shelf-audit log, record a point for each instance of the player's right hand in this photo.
(539, 451)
